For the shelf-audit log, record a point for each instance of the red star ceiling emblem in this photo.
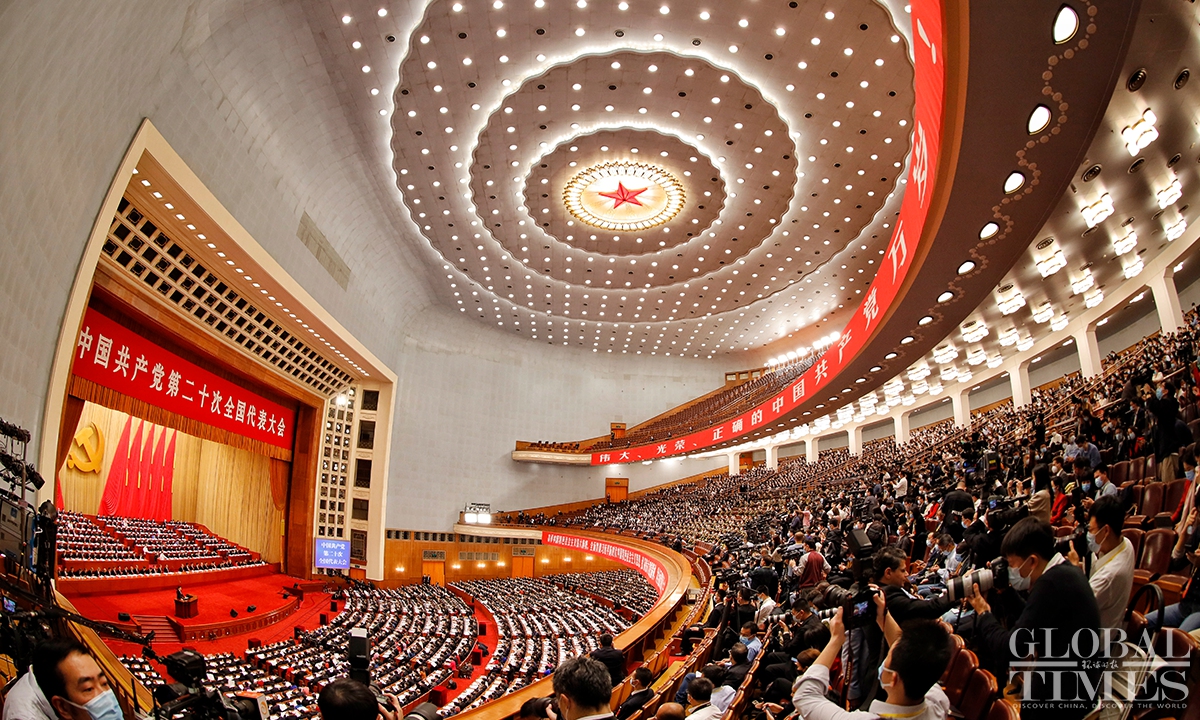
(623, 195)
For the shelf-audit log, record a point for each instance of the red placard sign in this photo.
(119, 359)
(643, 563)
(928, 87)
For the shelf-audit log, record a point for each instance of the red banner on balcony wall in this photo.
(643, 563)
(117, 358)
(928, 87)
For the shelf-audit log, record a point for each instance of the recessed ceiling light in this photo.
(925, 320)
(890, 356)
(945, 297)
(664, 10)
(906, 339)
(988, 230)
(1038, 119)
(1066, 22)
(1013, 183)
(382, 12)
(356, 45)
(875, 368)
(829, 15)
(966, 267)
(346, 19)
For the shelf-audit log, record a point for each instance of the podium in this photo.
(187, 607)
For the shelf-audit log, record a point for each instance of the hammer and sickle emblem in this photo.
(87, 449)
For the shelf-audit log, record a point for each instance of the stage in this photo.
(154, 610)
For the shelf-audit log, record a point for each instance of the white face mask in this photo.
(1018, 581)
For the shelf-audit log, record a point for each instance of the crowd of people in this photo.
(1008, 524)
(120, 547)
(723, 404)
(539, 626)
(863, 574)
(625, 589)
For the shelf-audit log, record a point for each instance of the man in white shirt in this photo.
(699, 697)
(909, 675)
(1112, 562)
(902, 487)
(25, 701)
(766, 606)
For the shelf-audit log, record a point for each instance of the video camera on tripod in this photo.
(188, 699)
(857, 602)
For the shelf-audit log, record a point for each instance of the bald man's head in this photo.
(669, 711)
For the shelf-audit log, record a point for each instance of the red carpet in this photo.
(215, 600)
(489, 641)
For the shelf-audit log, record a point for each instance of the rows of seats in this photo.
(539, 625)
(623, 588)
(80, 538)
(215, 545)
(117, 547)
(144, 570)
(750, 518)
(145, 671)
(712, 409)
(419, 635)
(156, 539)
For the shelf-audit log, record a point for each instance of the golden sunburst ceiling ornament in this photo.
(623, 196)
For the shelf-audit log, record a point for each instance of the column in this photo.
(1166, 299)
(962, 407)
(902, 421)
(856, 434)
(1018, 377)
(811, 449)
(735, 465)
(772, 457)
(1089, 352)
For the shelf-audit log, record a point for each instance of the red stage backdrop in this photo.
(117, 358)
(928, 82)
(646, 565)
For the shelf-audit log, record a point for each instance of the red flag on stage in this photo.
(110, 501)
(166, 511)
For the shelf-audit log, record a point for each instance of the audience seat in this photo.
(962, 666)
(1137, 468)
(978, 696)
(1119, 473)
(1003, 710)
(1173, 495)
(1134, 535)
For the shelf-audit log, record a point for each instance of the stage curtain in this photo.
(229, 490)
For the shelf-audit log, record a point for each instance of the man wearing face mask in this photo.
(1060, 605)
(916, 658)
(1113, 561)
(73, 682)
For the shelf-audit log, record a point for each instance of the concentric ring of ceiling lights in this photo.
(622, 196)
(787, 132)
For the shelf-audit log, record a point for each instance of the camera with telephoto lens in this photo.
(992, 575)
(188, 699)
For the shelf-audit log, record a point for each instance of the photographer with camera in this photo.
(1060, 604)
(916, 658)
(346, 699)
(891, 572)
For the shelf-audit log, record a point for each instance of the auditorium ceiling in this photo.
(703, 180)
(639, 177)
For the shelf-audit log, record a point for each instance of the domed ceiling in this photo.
(653, 177)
